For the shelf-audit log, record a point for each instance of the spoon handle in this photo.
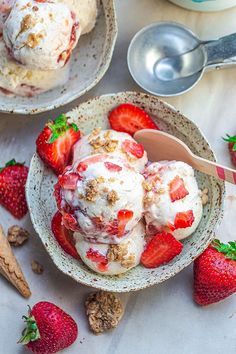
(221, 49)
(214, 169)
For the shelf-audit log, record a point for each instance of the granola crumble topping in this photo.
(112, 197)
(104, 311)
(16, 235)
(119, 253)
(34, 39)
(27, 23)
(91, 190)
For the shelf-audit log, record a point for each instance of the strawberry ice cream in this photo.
(85, 11)
(172, 199)
(101, 197)
(113, 143)
(41, 35)
(109, 259)
(16, 79)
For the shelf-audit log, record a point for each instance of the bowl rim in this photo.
(110, 45)
(155, 281)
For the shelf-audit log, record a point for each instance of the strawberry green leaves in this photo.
(229, 250)
(59, 127)
(231, 139)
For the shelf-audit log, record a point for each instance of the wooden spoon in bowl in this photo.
(163, 146)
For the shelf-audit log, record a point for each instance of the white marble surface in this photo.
(162, 319)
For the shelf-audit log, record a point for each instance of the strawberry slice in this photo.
(160, 250)
(13, 178)
(63, 236)
(98, 258)
(123, 216)
(128, 118)
(54, 144)
(69, 181)
(177, 189)
(133, 148)
(112, 167)
(184, 219)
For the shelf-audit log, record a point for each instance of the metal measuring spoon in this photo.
(168, 39)
(191, 62)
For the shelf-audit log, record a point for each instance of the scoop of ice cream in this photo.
(101, 197)
(18, 80)
(86, 13)
(41, 35)
(172, 199)
(112, 259)
(113, 143)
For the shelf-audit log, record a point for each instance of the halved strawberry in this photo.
(184, 219)
(63, 236)
(232, 147)
(160, 250)
(128, 118)
(112, 167)
(177, 189)
(123, 216)
(55, 142)
(133, 148)
(97, 257)
(13, 178)
(69, 181)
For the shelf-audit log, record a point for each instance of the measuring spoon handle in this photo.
(221, 49)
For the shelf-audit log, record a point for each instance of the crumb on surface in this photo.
(37, 267)
(104, 311)
(17, 236)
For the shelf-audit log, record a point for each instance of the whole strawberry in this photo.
(215, 273)
(55, 143)
(48, 329)
(232, 147)
(13, 178)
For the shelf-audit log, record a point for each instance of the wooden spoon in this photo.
(163, 146)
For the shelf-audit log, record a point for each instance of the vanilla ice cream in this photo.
(112, 259)
(41, 35)
(85, 11)
(18, 80)
(102, 198)
(114, 143)
(172, 199)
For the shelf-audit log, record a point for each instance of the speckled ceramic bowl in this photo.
(89, 62)
(42, 205)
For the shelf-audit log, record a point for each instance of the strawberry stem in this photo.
(231, 139)
(31, 331)
(229, 250)
(59, 127)
(12, 162)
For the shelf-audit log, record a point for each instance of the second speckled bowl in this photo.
(42, 205)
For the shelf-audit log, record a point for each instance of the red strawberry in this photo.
(48, 329)
(69, 181)
(55, 142)
(133, 148)
(57, 194)
(98, 258)
(215, 273)
(232, 147)
(112, 167)
(160, 250)
(82, 167)
(128, 118)
(177, 189)
(63, 236)
(184, 219)
(123, 216)
(12, 188)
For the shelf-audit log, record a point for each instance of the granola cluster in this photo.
(120, 254)
(204, 196)
(104, 311)
(16, 235)
(102, 145)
